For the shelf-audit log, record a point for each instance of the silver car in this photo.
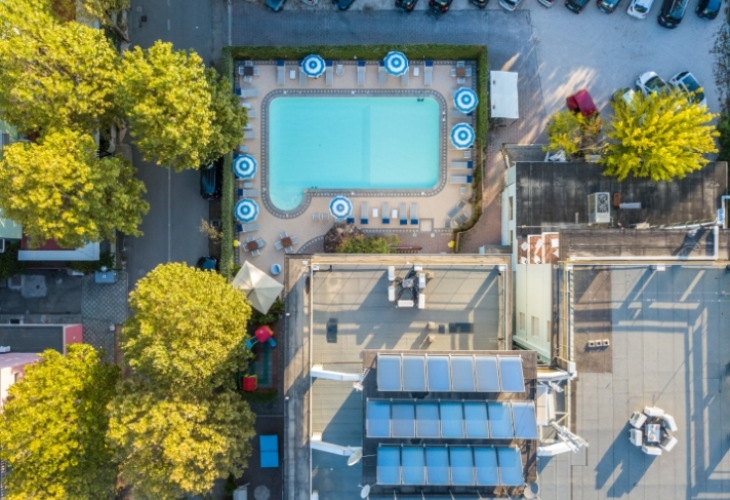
(650, 83)
(686, 82)
(639, 8)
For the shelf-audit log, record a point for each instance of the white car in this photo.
(686, 82)
(650, 83)
(639, 8)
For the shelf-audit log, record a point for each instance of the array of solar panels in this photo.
(449, 465)
(451, 419)
(449, 373)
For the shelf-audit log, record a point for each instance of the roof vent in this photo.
(599, 208)
(4, 348)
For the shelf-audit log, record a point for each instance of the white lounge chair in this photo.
(461, 179)
(361, 73)
(668, 442)
(651, 450)
(280, 73)
(637, 419)
(404, 79)
(461, 165)
(414, 214)
(303, 78)
(428, 73)
(402, 214)
(653, 411)
(386, 213)
(668, 423)
(364, 213)
(328, 77)
(636, 437)
(251, 113)
(382, 75)
(249, 91)
(339, 70)
(249, 134)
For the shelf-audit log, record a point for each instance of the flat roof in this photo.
(13, 359)
(550, 195)
(668, 347)
(32, 338)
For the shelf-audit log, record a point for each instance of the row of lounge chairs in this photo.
(329, 73)
(401, 213)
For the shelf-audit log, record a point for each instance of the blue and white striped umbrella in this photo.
(465, 100)
(313, 65)
(340, 207)
(396, 63)
(462, 136)
(244, 166)
(246, 210)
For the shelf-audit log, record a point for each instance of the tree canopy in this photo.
(53, 428)
(573, 133)
(180, 409)
(56, 75)
(662, 137)
(229, 117)
(169, 105)
(59, 189)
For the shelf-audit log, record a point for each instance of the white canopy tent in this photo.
(261, 289)
(503, 96)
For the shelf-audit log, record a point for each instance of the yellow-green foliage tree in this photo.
(57, 188)
(53, 428)
(55, 74)
(573, 133)
(229, 117)
(169, 105)
(663, 136)
(178, 423)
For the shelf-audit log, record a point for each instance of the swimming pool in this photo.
(354, 143)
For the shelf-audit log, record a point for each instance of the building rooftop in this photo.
(32, 338)
(552, 195)
(12, 359)
(667, 347)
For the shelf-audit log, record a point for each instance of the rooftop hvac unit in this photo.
(599, 208)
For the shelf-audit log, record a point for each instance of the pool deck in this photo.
(434, 206)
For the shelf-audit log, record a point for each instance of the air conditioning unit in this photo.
(599, 208)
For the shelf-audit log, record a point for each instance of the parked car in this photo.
(624, 94)
(686, 82)
(406, 5)
(547, 3)
(342, 4)
(639, 8)
(649, 83)
(607, 6)
(672, 13)
(576, 5)
(211, 180)
(438, 7)
(581, 102)
(275, 5)
(708, 8)
(509, 5)
(479, 3)
(207, 264)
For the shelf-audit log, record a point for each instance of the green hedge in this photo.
(416, 52)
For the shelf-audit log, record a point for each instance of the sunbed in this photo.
(402, 214)
(428, 73)
(386, 213)
(461, 165)
(382, 74)
(249, 92)
(328, 73)
(303, 78)
(414, 214)
(461, 179)
(280, 73)
(405, 77)
(452, 213)
(364, 213)
(361, 73)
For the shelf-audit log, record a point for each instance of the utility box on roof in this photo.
(503, 96)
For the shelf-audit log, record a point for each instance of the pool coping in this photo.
(353, 192)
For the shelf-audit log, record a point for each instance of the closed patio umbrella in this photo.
(260, 288)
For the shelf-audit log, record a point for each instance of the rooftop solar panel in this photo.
(414, 465)
(437, 466)
(500, 421)
(486, 372)
(428, 423)
(414, 373)
(510, 467)
(462, 374)
(439, 378)
(485, 464)
(404, 420)
(378, 419)
(452, 419)
(525, 420)
(475, 415)
(462, 465)
(388, 468)
(389, 372)
(510, 374)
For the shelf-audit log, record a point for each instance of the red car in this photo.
(583, 102)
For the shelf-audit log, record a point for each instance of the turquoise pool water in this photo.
(351, 143)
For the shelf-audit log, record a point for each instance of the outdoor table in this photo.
(251, 246)
(653, 433)
(248, 71)
(286, 242)
(460, 72)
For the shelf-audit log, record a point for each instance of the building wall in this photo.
(509, 234)
(534, 308)
(72, 334)
(8, 376)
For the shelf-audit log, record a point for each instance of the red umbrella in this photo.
(264, 333)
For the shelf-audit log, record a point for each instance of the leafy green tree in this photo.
(178, 423)
(55, 74)
(662, 137)
(229, 117)
(107, 13)
(177, 443)
(573, 133)
(53, 428)
(169, 105)
(58, 189)
(365, 244)
(187, 330)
